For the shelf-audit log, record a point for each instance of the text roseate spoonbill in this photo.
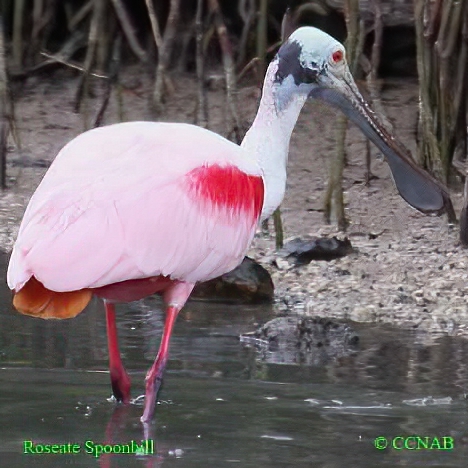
(138, 208)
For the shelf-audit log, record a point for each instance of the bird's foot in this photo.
(121, 384)
(153, 384)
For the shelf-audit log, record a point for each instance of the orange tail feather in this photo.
(36, 300)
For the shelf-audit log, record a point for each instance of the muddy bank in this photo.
(409, 269)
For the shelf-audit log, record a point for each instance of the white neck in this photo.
(267, 140)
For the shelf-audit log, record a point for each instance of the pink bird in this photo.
(133, 209)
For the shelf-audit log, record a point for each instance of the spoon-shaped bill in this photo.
(418, 188)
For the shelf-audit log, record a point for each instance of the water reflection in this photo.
(221, 405)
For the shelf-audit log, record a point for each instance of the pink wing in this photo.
(135, 200)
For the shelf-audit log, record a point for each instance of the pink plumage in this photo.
(130, 210)
(130, 201)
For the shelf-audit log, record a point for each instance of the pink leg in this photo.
(155, 374)
(119, 378)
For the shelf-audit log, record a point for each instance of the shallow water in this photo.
(220, 405)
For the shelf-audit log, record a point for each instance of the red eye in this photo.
(337, 56)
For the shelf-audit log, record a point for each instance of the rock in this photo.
(323, 248)
(310, 340)
(248, 283)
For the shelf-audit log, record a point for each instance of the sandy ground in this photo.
(414, 273)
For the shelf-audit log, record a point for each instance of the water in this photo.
(221, 406)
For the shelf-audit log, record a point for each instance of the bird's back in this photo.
(121, 155)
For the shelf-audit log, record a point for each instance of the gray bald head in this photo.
(311, 64)
(306, 54)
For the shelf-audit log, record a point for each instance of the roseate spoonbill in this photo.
(138, 208)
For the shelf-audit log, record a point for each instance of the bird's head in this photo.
(311, 63)
(308, 59)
